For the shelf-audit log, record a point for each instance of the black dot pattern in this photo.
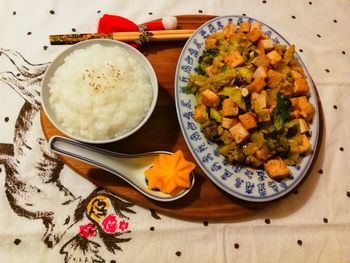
(348, 194)
(150, 13)
(29, 33)
(14, 13)
(236, 245)
(205, 223)
(310, 3)
(325, 220)
(343, 52)
(98, 11)
(296, 192)
(327, 70)
(17, 241)
(300, 50)
(335, 107)
(151, 228)
(178, 253)
(267, 221)
(293, 17)
(264, 1)
(318, 35)
(244, 14)
(320, 171)
(0, 170)
(113, 261)
(335, 21)
(300, 243)
(200, 11)
(74, 30)
(45, 47)
(341, 149)
(52, 12)
(6, 119)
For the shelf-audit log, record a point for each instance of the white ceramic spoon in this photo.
(129, 167)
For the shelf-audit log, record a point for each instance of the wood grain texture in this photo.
(162, 132)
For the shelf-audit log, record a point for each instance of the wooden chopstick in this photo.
(161, 35)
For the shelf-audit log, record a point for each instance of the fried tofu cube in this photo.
(210, 42)
(261, 60)
(260, 72)
(298, 69)
(296, 74)
(265, 44)
(258, 100)
(286, 88)
(257, 85)
(254, 25)
(234, 59)
(264, 115)
(209, 98)
(248, 120)
(229, 108)
(228, 123)
(254, 35)
(301, 86)
(200, 113)
(244, 27)
(303, 126)
(276, 168)
(301, 107)
(305, 145)
(262, 154)
(229, 28)
(274, 78)
(239, 133)
(275, 57)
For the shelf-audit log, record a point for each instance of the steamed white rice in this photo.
(100, 93)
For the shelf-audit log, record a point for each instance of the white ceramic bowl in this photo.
(59, 60)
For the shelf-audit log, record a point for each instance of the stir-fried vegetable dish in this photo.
(252, 99)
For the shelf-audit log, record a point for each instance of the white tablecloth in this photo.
(42, 214)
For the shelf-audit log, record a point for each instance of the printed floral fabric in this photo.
(51, 214)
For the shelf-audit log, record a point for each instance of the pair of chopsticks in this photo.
(161, 35)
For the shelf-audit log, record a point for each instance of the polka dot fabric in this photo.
(312, 224)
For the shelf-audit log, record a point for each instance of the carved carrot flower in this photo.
(170, 173)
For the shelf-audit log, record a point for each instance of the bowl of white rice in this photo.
(99, 91)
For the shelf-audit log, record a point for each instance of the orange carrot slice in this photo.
(170, 173)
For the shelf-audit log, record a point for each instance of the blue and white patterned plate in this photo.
(242, 182)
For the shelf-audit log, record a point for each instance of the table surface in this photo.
(51, 214)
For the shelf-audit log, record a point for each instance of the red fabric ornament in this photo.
(112, 23)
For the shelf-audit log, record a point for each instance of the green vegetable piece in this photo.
(234, 94)
(246, 73)
(282, 111)
(226, 148)
(258, 138)
(190, 89)
(253, 161)
(250, 148)
(215, 115)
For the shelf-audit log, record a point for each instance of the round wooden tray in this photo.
(162, 132)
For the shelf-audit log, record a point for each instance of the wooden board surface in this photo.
(162, 132)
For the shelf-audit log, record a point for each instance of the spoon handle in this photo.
(126, 166)
(129, 167)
